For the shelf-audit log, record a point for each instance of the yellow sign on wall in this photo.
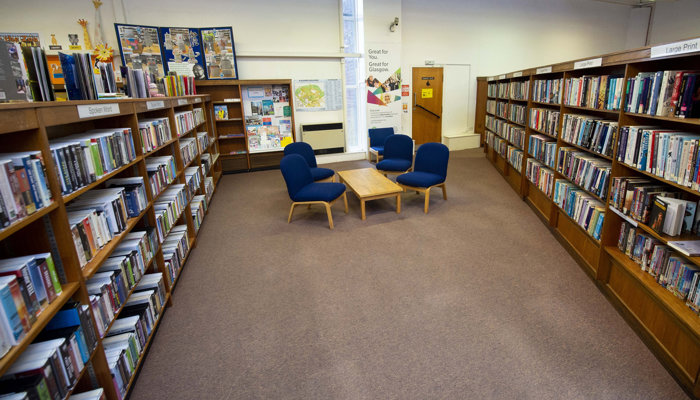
(426, 93)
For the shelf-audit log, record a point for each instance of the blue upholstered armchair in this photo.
(429, 171)
(303, 190)
(305, 150)
(377, 137)
(398, 155)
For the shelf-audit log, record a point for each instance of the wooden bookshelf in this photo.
(669, 328)
(236, 154)
(31, 126)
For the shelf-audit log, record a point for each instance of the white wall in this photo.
(637, 27)
(675, 20)
(270, 26)
(499, 36)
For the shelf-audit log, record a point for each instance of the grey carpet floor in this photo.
(475, 300)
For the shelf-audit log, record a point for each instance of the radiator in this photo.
(324, 138)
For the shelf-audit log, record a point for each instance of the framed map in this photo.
(219, 53)
(140, 48)
(318, 95)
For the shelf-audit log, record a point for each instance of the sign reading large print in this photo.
(383, 70)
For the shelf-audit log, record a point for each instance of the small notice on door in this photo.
(426, 93)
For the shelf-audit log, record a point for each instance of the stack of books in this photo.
(23, 186)
(154, 133)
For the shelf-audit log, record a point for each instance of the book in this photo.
(689, 248)
(221, 112)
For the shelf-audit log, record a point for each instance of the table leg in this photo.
(398, 203)
(362, 207)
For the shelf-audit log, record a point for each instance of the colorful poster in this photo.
(182, 51)
(383, 85)
(25, 39)
(140, 48)
(267, 117)
(318, 94)
(219, 53)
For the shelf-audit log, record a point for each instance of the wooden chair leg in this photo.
(291, 211)
(444, 192)
(345, 200)
(330, 217)
(427, 200)
(308, 207)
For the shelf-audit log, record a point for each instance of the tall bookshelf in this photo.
(236, 153)
(31, 126)
(664, 322)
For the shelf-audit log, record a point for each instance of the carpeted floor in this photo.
(475, 300)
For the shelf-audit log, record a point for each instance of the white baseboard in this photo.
(339, 157)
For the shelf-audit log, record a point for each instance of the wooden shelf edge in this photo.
(67, 291)
(659, 178)
(161, 147)
(588, 235)
(21, 223)
(587, 150)
(70, 196)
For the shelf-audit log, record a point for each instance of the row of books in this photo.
(198, 116)
(23, 186)
(601, 92)
(586, 211)
(198, 205)
(83, 81)
(502, 109)
(127, 337)
(84, 158)
(178, 85)
(51, 366)
(490, 107)
(27, 286)
(188, 150)
(184, 122)
(594, 134)
(498, 144)
(26, 76)
(515, 158)
(206, 161)
(547, 91)
(517, 113)
(169, 207)
(513, 133)
(154, 133)
(137, 83)
(519, 90)
(175, 249)
(668, 268)
(193, 180)
(664, 93)
(161, 172)
(669, 154)
(96, 218)
(656, 205)
(543, 148)
(589, 172)
(544, 120)
(203, 141)
(496, 125)
(540, 176)
(503, 90)
(492, 90)
(209, 188)
(109, 287)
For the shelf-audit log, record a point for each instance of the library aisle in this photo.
(411, 306)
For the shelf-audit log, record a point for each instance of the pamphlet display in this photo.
(182, 51)
(219, 53)
(268, 117)
(140, 48)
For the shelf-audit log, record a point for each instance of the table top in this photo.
(368, 182)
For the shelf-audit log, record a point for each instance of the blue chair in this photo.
(377, 137)
(429, 171)
(303, 190)
(398, 155)
(304, 149)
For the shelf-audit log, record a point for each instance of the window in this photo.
(353, 42)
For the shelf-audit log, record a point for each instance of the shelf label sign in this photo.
(491, 79)
(197, 100)
(97, 110)
(152, 105)
(502, 76)
(593, 62)
(517, 74)
(182, 102)
(544, 70)
(671, 49)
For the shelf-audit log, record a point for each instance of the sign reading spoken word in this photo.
(671, 49)
(426, 93)
(593, 62)
(154, 105)
(97, 110)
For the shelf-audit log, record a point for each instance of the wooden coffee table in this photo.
(369, 184)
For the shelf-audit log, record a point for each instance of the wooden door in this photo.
(427, 105)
